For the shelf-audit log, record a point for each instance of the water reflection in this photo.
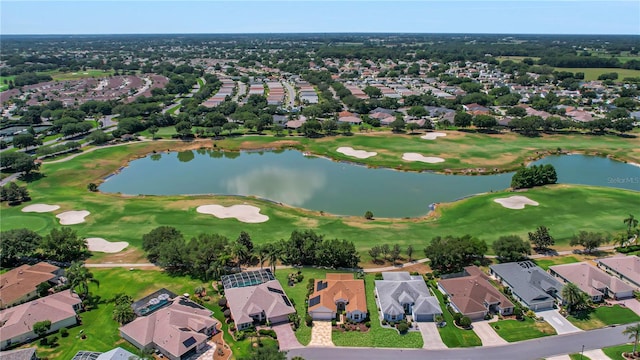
(290, 186)
(156, 157)
(186, 156)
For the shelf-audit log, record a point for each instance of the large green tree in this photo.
(17, 243)
(64, 245)
(589, 240)
(511, 248)
(451, 254)
(541, 239)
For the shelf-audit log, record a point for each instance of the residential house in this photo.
(20, 284)
(255, 297)
(177, 330)
(529, 284)
(337, 293)
(353, 120)
(17, 322)
(593, 281)
(400, 294)
(113, 354)
(19, 354)
(472, 295)
(626, 268)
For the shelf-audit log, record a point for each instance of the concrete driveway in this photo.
(632, 304)
(431, 336)
(597, 354)
(321, 334)
(562, 325)
(286, 337)
(487, 334)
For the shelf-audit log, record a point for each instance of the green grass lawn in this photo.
(450, 334)
(102, 332)
(514, 330)
(615, 352)
(377, 336)
(603, 316)
(578, 357)
(593, 73)
(563, 208)
(546, 263)
(5, 86)
(76, 75)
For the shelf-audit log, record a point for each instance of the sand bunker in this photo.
(72, 217)
(360, 154)
(102, 245)
(516, 202)
(244, 213)
(432, 135)
(40, 208)
(422, 158)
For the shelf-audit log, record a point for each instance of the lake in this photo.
(340, 188)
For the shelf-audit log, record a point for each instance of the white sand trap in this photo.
(244, 213)
(102, 245)
(422, 158)
(432, 135)
(516, 202)
(72, 217)
(360, 154)
(40, 208)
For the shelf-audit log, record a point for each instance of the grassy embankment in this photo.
(603, 316)
(593, 73)
(562, 208)
(514, 330)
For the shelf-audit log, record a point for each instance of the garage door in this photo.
(423, 317)
(321, 316)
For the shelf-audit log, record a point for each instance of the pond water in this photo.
(320, 184)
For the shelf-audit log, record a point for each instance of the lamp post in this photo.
(581, 352)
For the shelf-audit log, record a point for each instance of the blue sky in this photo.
(132, 17)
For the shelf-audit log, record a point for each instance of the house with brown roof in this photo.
(19, 354)
(593, 281)
(20, 284)
(626, 268)
(337, 293)
(16, 323)
(472, 295)
(177, 330)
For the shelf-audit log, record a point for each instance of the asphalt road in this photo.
(291, 93)
(525, 350)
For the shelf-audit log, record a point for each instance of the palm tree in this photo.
(572, 296)
(633, 332)
(631, 222)
(273, 255)
(262, 252)
(79, 278)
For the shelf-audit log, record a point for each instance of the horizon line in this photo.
(325, 32)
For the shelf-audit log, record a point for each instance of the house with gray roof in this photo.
(113, 354)
(529, 284)
(19, 354)
(254, 297)
(399, 294)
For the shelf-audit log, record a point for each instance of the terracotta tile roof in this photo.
(17, 283)
(340, 286)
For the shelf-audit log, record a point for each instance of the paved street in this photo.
(530, 349)
(559, 322)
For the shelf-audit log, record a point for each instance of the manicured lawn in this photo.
(76, 75)
(546, 263)
(450, 334)
(101, 331)
(514, 330)
(5, 86)
(377, 336)
(615, 352)
(603, 316)
(593, 73)
(563, 208)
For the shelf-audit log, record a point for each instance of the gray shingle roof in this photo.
(399, 287)
(528, 281)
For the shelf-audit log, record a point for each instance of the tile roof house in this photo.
(177, 330)
(113, 354)
(254, 301)
(473, 295)
(17, 322)
(338, 292)
(625, 267)
(19, 354)
(530, 285)
(20, 284)
(593, 281)
(399, 294)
